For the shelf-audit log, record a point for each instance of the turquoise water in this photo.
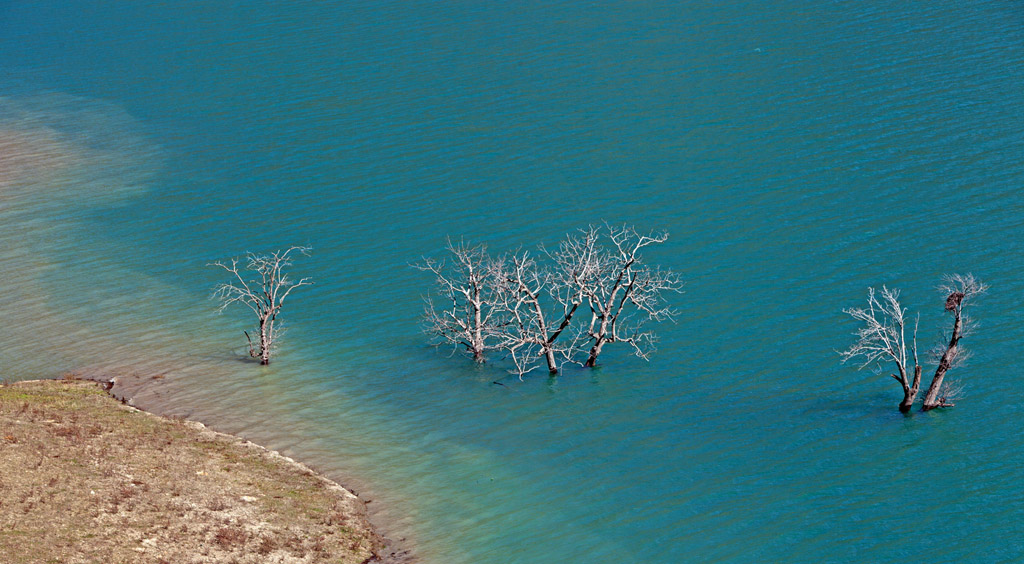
(797, 153)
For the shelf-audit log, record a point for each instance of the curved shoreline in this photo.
(124, 388)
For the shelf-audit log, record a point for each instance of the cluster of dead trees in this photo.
(882, 338)
(559, 305)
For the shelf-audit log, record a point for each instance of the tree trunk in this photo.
(910, 392)
(542, 328)
(478, 336)
(595, 351)
(549, 355)
(932, 399)
(264, 343)
(549, 352)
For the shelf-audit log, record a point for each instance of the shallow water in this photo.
(796, 153)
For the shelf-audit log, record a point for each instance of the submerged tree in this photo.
(959, 289)
(530, 311)
(262, 285)
(469, 288)
(531, 331)
(621, 292)
(881, 338)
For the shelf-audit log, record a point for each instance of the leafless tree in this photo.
(960, 290)
(530, 331)
(468, 312)
(881, 338)
(262, 285)
(621, 292)
(531, 311)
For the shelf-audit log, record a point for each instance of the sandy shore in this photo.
(85, 478)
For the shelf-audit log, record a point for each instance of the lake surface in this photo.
(796, 152)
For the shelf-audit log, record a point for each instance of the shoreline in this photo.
(124, 387)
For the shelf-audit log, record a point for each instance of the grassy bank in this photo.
(86, 479)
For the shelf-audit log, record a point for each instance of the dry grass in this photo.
(84, 479)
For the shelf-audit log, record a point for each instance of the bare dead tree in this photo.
(262, 285)
(960, 290)
(531, 332)
(531, 312)
(468, 312)
(621, 292)
(881, 338)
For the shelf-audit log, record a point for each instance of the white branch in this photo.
(882, 335)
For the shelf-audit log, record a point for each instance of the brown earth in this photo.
(85, 479)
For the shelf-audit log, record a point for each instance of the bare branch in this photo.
(881, 338)
(621, 293)
(950, 391)
(532, 331)
(965, 284)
